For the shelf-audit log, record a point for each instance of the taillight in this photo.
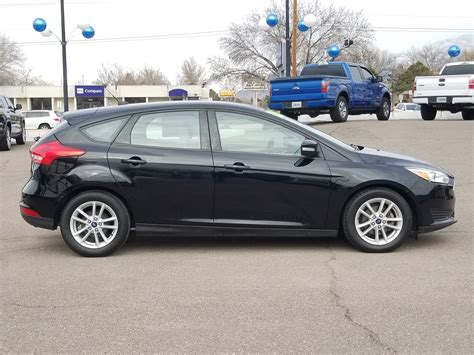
(324, 86)
(56, 119)
(46, 153)
(471, 84)
(29, 212)
(414, 86)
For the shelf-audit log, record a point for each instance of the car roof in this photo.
(74, 117)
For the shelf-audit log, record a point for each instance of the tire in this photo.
(340, 112)
(22, 138)
(396, 231)
(383, 112)
(5, 140)
(44, 126)
(289, 114)
(94, 244)
(428, 113)
(468, 115)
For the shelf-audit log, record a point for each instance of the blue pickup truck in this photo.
(337, 88)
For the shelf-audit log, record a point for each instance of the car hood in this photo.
(377, 156)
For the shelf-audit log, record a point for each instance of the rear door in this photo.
(163, 163)
(261, 180)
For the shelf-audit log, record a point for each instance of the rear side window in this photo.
(461, 69)
(168, 130)
(104, 131)
(325, 69)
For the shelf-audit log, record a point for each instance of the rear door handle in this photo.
(134, 161)
(239, 167)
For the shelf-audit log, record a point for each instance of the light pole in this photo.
(39, 25)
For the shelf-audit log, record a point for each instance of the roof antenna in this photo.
(119, 102)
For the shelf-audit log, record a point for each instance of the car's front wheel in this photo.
(44, 126)
(377, 220)
(6, 140)
(95, 224)
(383, 113)
(21, 139)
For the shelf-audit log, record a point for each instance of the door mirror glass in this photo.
(310, 148)
(379, 78)
(18, 107)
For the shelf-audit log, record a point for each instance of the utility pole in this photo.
(294, 35)
(287, 38)
(63, 45)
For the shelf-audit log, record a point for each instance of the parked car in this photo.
(338, 88)
(407, 107)
(12, 124)
(42, 119)
(211, 168)
(452, 90)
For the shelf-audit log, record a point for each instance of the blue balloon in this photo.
(333, 51)
(39, 24)
(88, 32)
(454, 51)
(272, 20)
(302, 27)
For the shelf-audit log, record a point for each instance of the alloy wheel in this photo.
(9, 139)
(386, 109)
(94, 224)
(342, 108)
(378, 221)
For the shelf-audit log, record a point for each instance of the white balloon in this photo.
(310, 20)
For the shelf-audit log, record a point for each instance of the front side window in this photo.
(168, 130)
(366, 75)
(242, 133)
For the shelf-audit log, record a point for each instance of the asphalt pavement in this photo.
(205, 295)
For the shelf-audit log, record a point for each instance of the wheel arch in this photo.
(73, 193)
(400, 189)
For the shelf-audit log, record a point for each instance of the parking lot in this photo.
(245, 294)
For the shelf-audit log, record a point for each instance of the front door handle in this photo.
(238, 167)
(134, 161)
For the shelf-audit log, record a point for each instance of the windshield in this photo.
(319, 133)
(460, 69)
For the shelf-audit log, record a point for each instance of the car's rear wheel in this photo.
(21, 139)
(340, 112)
(383, 113)
(95, 224)
(428, 113)
(468, 115)
(377, 220)
(6, 140)
(44, 126)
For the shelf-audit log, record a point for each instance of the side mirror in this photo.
(309, 148)
(379, 79)
(18, 107)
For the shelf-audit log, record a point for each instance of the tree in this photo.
(467, 56)
(431, 55)
(116, 75)
(404, 80)
(11, 61)
(192, 73)
(380, 62)
(251, 52)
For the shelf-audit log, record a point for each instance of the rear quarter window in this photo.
(104, 131)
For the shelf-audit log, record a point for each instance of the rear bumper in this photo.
(307, 104)
(450, 100)
(36, 220)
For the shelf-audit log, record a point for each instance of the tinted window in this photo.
(104, 131)
(325, 69)
(366, 75)
(355, 73)
(168, 130)
(242, 133)
(458, 69)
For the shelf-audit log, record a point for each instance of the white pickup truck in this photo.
(452, 90)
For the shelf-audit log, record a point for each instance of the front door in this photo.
(372, 87)
(261, 179)
(163, 163)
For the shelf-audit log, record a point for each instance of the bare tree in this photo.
(192, 73)
(116, 75)
(431, 55)
(251, 52)
(11, 61)
(380, 62)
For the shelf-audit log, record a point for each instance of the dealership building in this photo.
(87, 96)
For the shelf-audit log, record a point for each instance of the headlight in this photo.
(431, 175)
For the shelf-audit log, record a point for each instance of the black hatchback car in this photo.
(216, 169)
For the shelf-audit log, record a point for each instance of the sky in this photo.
(151, 21)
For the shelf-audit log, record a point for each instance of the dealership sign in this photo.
(89, 91)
